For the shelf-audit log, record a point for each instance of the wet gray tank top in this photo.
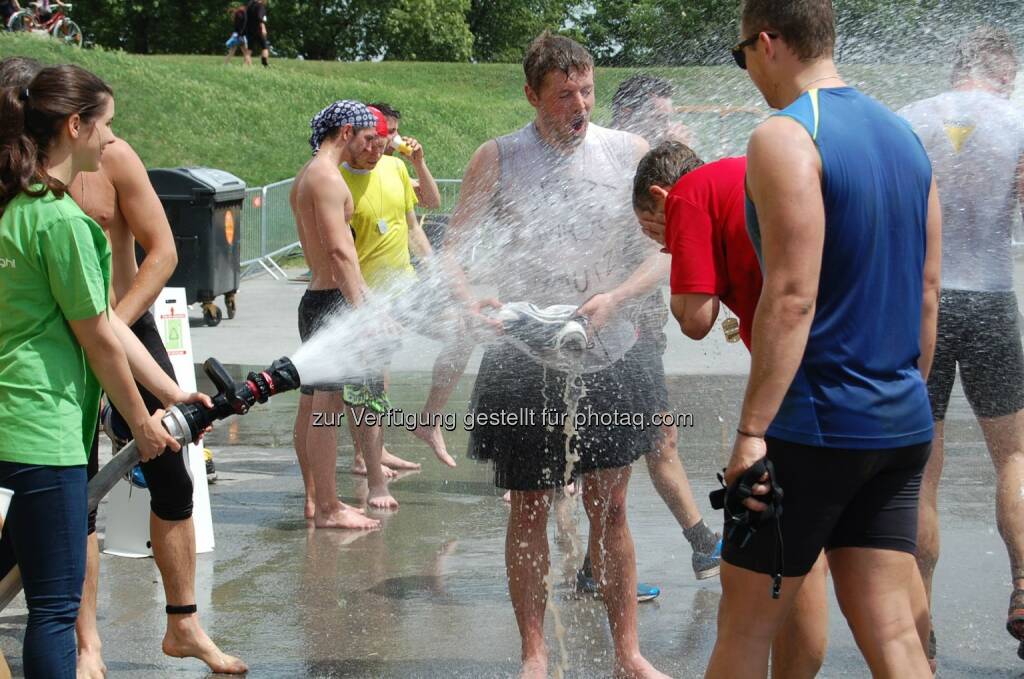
(565, 220)
(975, 140)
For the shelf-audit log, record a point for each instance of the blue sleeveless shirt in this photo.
(858, 385)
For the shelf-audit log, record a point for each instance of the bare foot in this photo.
(309, 510)
(637, 667)
(359, 468)
(432, 437)
(397, 463)
(380, 498)
(185, 638)
(90, 664)
(343, 516)
(534, 668)
(507, 497)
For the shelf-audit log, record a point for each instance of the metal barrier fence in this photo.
(268, 226)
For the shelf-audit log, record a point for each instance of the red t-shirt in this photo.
(705, 230)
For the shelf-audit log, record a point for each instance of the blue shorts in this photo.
(236, 41)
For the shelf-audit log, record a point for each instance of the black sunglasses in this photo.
(738, 53)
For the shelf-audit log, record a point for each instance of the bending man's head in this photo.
(657, 173)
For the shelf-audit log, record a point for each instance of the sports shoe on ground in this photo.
(707, 565)
(585, 584)
(211, 470)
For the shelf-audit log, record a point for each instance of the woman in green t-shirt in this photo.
(57, 337)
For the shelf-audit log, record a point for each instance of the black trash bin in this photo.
(204, 208)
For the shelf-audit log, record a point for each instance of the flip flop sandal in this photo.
(1015, 616)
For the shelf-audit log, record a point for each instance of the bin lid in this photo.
(193, 183)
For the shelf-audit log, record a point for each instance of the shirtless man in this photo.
(323, 206)
(121, 199)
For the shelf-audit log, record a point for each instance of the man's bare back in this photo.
(317, 176)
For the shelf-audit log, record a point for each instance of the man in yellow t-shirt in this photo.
(384, 222)
(385, 229)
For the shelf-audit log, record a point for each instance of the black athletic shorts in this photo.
(651, 349)
(170, 485)
(518, 413)
(316, 308)
(256, 41)
(833, 498)
(979, 332)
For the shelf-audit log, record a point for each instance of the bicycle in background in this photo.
(44, 19)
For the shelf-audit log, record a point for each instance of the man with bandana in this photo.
(322, 205)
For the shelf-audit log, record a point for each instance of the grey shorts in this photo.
(979, 332)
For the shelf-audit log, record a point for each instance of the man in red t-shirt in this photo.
(700, 222)
(697, 213)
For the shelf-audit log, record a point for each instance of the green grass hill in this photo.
(254, 122)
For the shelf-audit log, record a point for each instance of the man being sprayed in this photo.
(643, 105)
(845, 220)
(322, 205)
(975, 139)
(554, 196)
(696, 212)
(121, 199)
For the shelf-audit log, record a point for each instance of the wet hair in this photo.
(986, 52)
(18, 71)
(663, 166)
(551, 52)
(388, 110)
(33, 116)
(635, 91)
(807, 26)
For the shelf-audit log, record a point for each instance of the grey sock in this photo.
(700, 537)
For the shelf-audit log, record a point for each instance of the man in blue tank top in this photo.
(846, 222)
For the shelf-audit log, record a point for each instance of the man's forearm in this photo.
(648, 276)
(780, 331)
(929, 321)
(427, 192)
(145, 369)
(151, 278)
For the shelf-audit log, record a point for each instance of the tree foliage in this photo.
(618, 32)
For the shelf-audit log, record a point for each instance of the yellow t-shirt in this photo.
(383, 196)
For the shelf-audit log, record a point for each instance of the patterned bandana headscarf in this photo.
(339, 114)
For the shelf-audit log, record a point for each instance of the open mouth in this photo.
(577, 124)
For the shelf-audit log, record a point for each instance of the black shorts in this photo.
(256, 41)
(529, 452)
(833, 498)
(979, 332)
(651, 349)
(167, 476)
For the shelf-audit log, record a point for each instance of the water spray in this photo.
(186, 422)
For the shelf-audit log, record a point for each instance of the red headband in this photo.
(382, 123)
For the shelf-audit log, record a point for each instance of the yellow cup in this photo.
(400, 144)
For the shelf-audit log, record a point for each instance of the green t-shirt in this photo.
(54, 267)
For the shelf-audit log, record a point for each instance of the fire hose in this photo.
(186, 422)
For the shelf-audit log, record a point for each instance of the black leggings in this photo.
(170, 486)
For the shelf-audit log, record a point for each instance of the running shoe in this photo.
(211, 470)
(118, 438)
(541, 332)
(136, 477)
(585, 584)
(707, 565)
